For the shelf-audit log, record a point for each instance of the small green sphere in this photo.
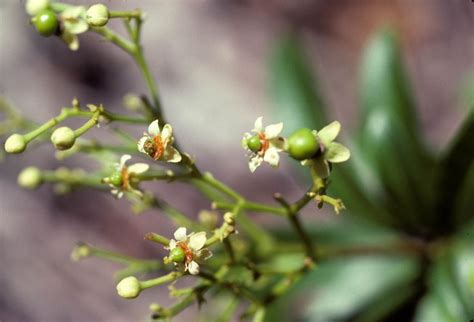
(46, 22)
(30, 178)
(15, 143)
(254, 143)
(115, 179)
(177, 255)
(63, 138)
(302, 144)
(129, 287)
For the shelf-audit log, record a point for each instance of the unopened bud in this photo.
(63, 138)
(97, 15)
(15, 143)
(30, 178)
(129, 287)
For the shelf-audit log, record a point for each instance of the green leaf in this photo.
(340, 288)
(293, 87)
(454, 172)
(388, 134)
(451, 294)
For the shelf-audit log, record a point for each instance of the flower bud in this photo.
(97, 15)
(34, 6)
(302, 144)
(129, 287)
(63, 138)
(15, 143)
(80, 251)
(30, 178)
(208, 218)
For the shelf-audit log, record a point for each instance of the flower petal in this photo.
(70, 39)
(254, 163)
(258, 125)
(204, 254)
(141, 144)
(197, 240)
(166, 133)
(279, 143)
(171, 245)
(172, 155)
(180, 234)
(154, 128)
(124, 160)
(272, 157)
(245, 139)
(336, 152)
(193, 268)
(329, 133)
(76, 26)
(138, 168)
(273, 130)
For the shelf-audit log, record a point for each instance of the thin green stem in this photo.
(125, 14)
(154, 237)
(88, 125)
(170, 277)
(116, 39)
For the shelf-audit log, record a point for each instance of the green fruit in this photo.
(302, 144)
(46, 22)
(115, 179)
(177, 255)
(254, 143)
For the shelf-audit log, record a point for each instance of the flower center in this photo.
(159, 147)
(125, 178)
(188, 253)
(265, 143)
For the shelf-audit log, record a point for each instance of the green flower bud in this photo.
(15, 143)
(302, 144)
(46, 22)
(177, 255)
(30, 178)
(97, 15)
(254, 143)
(80, 251)
(33, 7)
(129, 287)
(63, 138)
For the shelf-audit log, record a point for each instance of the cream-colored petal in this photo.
(279, 143)
(272, 157)
(273, 130)
(154, 128)
(180, 234)
(124, 160)
(141, 144)
(258, 125)
(244, 140)
(172, 155)
(329, 132)
(197, 240)
(166, 133)
(70, 39)
(171, 245)
(254, 163)
(193, 268)
(204, 254)
(337, 153)
(138, 168)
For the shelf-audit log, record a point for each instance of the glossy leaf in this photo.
(389, 137)
(293, 87)
(340, 288)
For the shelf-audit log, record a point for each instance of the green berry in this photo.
(177, 255)
(254, 143)
(63, 138)
(46, 22)
(115, 179)
(302, 144)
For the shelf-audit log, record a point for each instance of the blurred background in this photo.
(211, 62)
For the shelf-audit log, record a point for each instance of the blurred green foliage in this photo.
(404, 249)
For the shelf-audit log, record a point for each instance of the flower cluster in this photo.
(187, 250)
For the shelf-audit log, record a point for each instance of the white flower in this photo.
(268, 147)
(192, 245)
(73, 22)
(158, 143)
(119, 181)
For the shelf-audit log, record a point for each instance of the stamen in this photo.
(159, 147)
